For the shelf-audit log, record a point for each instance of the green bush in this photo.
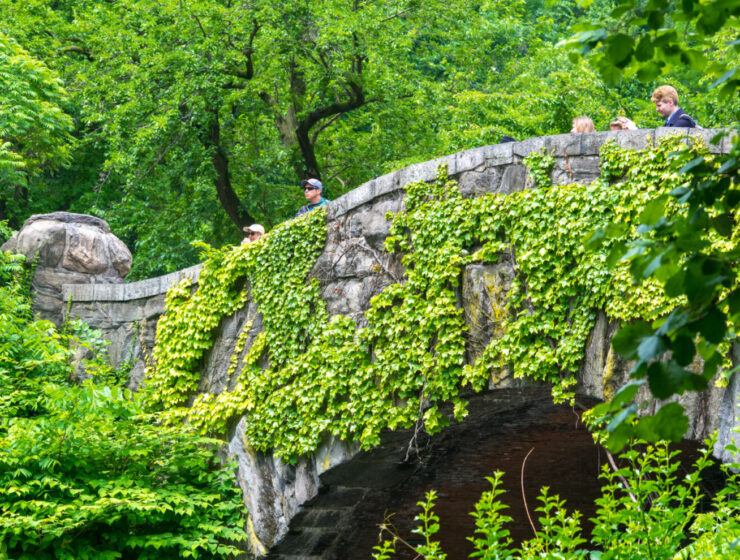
(84, 472)
(648, 509)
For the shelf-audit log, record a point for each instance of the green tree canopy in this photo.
(34, 130)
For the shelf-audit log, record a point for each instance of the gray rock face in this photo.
(351, 270)
(68, 249)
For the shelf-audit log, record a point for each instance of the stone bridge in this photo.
(297, 511)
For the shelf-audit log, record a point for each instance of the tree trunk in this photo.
(226, 195)
(308, 155)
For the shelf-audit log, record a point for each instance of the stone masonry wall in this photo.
(352, 269)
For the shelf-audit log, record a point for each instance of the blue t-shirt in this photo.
(309, 207)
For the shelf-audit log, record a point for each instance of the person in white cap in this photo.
(253, 232)
(312, 188)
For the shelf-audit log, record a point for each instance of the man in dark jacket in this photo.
(312, 188)
(666, 103)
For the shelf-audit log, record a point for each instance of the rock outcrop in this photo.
(68, 249)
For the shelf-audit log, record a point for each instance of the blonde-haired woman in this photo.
(582, 124)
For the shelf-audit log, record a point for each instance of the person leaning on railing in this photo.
(313, 189)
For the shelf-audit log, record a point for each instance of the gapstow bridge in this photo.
(329, 504)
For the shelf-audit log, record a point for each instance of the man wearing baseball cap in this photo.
(253, 233)
(313, 189)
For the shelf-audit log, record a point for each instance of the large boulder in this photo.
(68, 249)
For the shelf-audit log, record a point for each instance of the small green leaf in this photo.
(713, 325)
(628, 339)
(619, 48)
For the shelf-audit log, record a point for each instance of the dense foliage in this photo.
(688, 238)
(34, 130)
(305, 376)
(191, 118)
(647, 509)
(84, 471)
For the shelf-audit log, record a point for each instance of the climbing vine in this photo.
(306, 376)
(275, 270)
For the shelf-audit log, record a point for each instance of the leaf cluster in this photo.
(646, 510)
(687, 245)
(85, 472)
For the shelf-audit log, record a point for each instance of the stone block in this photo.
(499, 154)
(355, 261)
(514, 179)
(347, 202)
(124, 343)
(48, 307)
(386, 184)
(526, 147)
(119, 255)
(55, 278)
(468, 160)
(426, 171)
(595, 357)
(218, 360)
(154, 306)
(634, 139)
(344, 297)
(333, 452)
(670, 131)
(705, 135)
(484, 289)
(584, 169)
(77, 292)
(561, 144)
(273, 491)
(137, 374)
(729, 416)
(727, 141)
(477, 182)
(45, 237)
(590, 142)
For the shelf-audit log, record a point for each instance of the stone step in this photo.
(292, 557)
(320, 517)
(308, 542)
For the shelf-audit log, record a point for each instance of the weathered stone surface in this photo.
(728, 414)
(274, 491)
(68, 249)
(218, 360)
(86, 251)
(514, 179)
(479, 181)
(484, 290)
(45, 237)
(71, 218)
(120, 256)
(53, 279)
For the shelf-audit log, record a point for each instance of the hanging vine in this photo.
(329, 377)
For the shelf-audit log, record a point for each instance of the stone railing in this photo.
(127, 314)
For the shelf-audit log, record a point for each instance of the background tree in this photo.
(34, 130)
(193, 119)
